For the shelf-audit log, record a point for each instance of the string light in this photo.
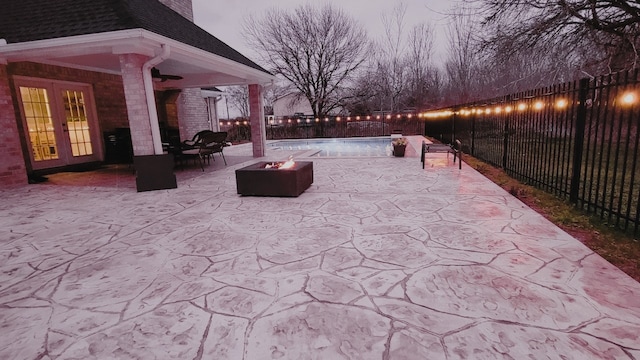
(562, 103)
(629, 98)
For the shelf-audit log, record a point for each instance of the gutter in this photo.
(151, 100)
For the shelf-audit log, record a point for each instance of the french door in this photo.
(60, 122)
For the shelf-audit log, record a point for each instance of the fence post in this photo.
(453, 127)
(581, 118)
(505, 143)
(473, 134)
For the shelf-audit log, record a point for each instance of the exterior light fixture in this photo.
(538, 105)
(522, 107)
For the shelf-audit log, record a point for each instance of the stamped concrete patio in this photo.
(379, 259)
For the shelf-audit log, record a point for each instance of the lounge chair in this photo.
(455, 149)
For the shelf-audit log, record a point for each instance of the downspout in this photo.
(151, 99)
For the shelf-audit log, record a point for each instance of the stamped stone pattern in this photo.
(378, 259)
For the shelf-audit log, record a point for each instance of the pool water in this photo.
(370, 147)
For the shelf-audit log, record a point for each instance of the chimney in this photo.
(182, 7)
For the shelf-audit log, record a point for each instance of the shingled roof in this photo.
(29, 20)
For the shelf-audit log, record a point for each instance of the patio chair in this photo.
(213, 143)
(195, 141)
(455, 149)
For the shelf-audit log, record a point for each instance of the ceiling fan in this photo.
(155, 73)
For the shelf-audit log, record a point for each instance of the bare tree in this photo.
(462, 65)
(401, 74)
(609, 28)
(391, 70)
(316, 49)
(424, 83)
(238, 97)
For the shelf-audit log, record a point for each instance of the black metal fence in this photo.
(577, 140)
(329, 127)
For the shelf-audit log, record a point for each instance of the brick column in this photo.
(13, 170)
(192, 113)
(256, 115)
(137, 109)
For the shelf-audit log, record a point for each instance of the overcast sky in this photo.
(223, 18)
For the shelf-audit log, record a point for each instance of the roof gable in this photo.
(30, 20)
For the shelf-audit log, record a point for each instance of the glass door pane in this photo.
(40, 126)
(77, 122)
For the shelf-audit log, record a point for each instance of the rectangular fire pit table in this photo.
(256, 180)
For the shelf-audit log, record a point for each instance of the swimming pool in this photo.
(337, 147)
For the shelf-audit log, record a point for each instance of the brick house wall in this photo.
(107, 90)
(12, 165)
(192, 112)
(189, 106)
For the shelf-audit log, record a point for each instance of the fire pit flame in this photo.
(281, 165)
(288, 164)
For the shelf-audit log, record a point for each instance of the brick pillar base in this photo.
(137, 109)
(256, 115)
(13, 170)
(153, 172)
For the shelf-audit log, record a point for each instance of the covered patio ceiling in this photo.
(100, 52)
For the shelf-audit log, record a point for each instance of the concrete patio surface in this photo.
(378, 259)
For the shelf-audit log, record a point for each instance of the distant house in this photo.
(291, 104)
(73, 71)
(295, 104)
